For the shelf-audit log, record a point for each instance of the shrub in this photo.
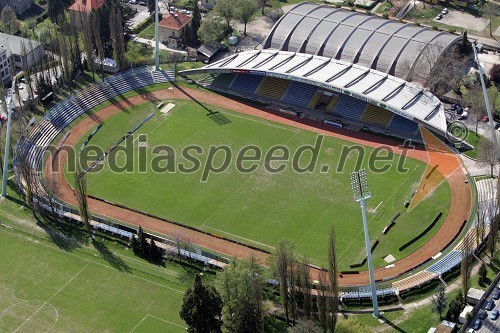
(350, 3)
(452, 30)
(495, 73)
(338, 5)
(434, 27)
(385, 16)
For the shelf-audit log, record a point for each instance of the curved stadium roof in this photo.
(386, 91)
(385, 45)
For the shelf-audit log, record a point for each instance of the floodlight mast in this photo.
(157, 41)
(9, 105)
(359, 183)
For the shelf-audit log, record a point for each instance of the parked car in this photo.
(440, 16)
(481, 314)
(494, 315)
(485, 119)
(453, 107)
(477, 324)
(460, 110)
(490, 305)
(496, 294)
(143, 3)
(133, 2)
(463, 116)
(444, 11)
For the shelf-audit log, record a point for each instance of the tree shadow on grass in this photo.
(114, 260)
(394, 326)
(67, 241)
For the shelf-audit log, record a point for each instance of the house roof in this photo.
(175, 21)
(13, 44)
(86, 5)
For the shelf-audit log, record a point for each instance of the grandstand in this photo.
(350, 66)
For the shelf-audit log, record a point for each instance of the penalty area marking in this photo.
(154, 317)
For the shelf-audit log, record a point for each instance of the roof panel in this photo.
(318, 36)
(336, 40)
(294, 62)
(390, 51)
(283, 30)
(301, 32)
(311, 65)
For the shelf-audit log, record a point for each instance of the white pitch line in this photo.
(139, 323)
(51, 297)
(166, 321)
(378, 206)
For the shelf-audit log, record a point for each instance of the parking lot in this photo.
(487, 324)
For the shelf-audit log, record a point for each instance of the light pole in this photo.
(9, 105)
(157, 42)
(359, 183)
(487, 102)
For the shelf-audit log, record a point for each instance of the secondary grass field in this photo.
(261, 208)
(59, 284)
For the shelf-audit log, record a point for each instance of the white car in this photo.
(444, 11)
(440, 16)
(20, 86)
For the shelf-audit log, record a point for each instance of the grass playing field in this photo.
(261, 208)
(60, 284)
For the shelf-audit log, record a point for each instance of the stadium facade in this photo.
(344, 68)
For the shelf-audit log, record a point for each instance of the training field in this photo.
(261, 208)
(46, 289)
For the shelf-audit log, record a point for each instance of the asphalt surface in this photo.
(488, 325)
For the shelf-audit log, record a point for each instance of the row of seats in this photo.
(486, 189)
(449, 261)
(376, 115)
(273, 87)
(32, 147)
(414, 280)
(363, 292)
(308, 96)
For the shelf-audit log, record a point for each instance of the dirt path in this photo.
(445, 163)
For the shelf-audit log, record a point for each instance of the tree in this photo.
(487, 154)
(202, 308)
(491, 10)
(151, 6)
(212, 29)
(247, 317)
(306, 284)
(81, 198)
(333, 299)
(245, 11)
(321, 300)
(8, 20)
(262, 4)
(240, 286)
(30, 24)
(284, 263)
(495, 73)
(116, 30)
(439, 301)
(155, 253)
(87, 42)
(466, 264)
(226, 10)
(493, 236)
(195, 25)
(465, 44)
(481, 274)
(474, 100)
(55, 10)
(455, 308)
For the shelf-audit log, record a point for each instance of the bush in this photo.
(434, 27)
(385, 16)
(495, 73)
(338, 5)
(452, 30)
(350, 3)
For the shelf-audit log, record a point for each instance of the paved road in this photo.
(488, 325)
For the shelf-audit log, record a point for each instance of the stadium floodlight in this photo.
(9, 105)
(359, 183)
(157, 41)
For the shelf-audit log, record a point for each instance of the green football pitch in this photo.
(261, 208)
(46, 288)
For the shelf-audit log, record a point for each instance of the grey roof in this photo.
(14, 43)
(386, 91)
(385, 45)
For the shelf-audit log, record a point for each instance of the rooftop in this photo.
(86, 5)
(175, 21)
(14, 43)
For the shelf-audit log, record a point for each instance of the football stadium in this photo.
(329, 92)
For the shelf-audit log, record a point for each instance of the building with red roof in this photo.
(172, 27)
(86, 5)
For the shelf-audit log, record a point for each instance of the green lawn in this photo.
(262, 208)
(44, 288)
